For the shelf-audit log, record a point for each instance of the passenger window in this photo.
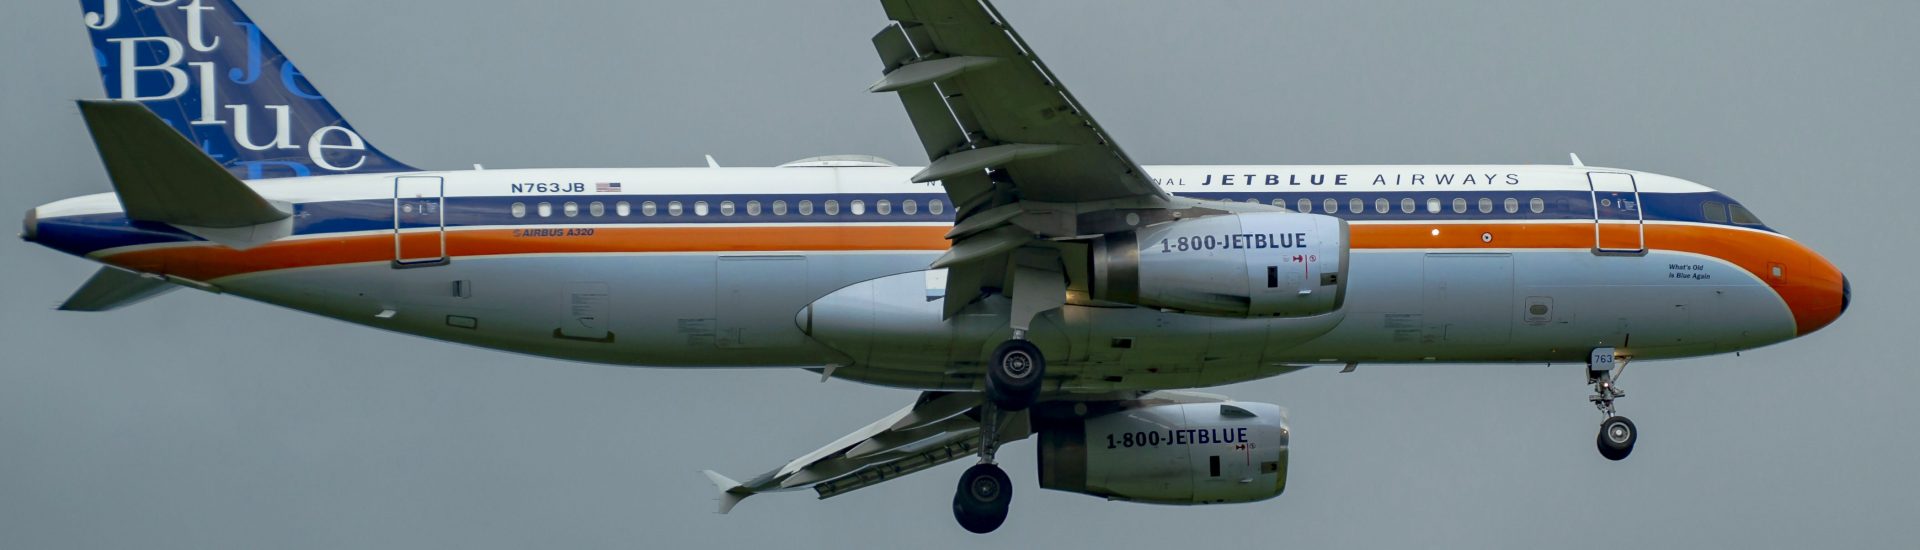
(832, 208)
(571, 209)
(648, 209)
(1536, 205)
(909, 207)
(1486, 205)
(1513, 205)
(622, 208)
(936, 206)
(883, 207)
(674, 208)
(779, 208)
(1715, 211)
(597, 209)
(858, 207)
(1331, 206)
(753, 208)
(700, 208)
(1304, 205)
(1356, 205)
(519, 210)
(1433, 206)
(1406, 205)
(726, 208)
(545, 209)
(1381, 205)
(1459, 206)
(1280, 203)
(806, 208)
(1742, 216)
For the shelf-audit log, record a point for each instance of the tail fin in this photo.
(207, 70)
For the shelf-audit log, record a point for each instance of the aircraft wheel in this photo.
(1013, 375)
(1617, 436)
(981, 501)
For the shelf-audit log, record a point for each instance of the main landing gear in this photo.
(1617, 433)
(985, 494)
(1014, 375)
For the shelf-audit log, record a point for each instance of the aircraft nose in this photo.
(1818, 297)
(32, 225)
(1846, 293)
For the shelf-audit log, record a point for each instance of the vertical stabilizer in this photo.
(211, 74)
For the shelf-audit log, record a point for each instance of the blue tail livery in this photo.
(206, 69)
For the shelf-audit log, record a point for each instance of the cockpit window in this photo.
(1743, 216)
(1714, 211)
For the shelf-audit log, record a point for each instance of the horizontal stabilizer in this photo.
(161, 177)
(731, 492)
(113, 288)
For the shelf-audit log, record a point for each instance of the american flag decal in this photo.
(606, 187)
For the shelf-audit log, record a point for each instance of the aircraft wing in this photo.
(1021, 159)
(938, 428)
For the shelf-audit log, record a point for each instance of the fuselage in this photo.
(708, 267)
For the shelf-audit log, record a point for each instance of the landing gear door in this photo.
(419, 222)
(1618, 223)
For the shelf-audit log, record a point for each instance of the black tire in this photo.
(981, 501)
(1013, 375)
(1616, 439)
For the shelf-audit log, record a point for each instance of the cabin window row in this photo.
(1409, 206)
(803, 207)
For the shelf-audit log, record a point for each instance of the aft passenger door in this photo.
(419, 221)
(1618, 224)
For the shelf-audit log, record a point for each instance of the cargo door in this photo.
(758, 297)
(1468, 300)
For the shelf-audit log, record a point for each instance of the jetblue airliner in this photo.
(1031, 279)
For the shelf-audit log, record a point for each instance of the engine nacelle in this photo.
(1278, 264)
(1194, 453)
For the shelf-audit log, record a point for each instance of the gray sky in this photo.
(198, 421)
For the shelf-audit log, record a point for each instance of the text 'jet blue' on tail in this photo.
(206, 69)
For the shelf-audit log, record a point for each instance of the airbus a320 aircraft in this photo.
(1031, 279)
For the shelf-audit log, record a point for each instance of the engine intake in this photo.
(1278, 264)
(1196, 453)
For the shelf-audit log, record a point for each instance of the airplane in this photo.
(1030, 280)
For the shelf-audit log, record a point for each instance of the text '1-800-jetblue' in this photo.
(1031, 279)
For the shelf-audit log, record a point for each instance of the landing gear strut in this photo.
(1617, 433)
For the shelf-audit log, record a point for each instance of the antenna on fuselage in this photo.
(1576, 159)
(712, 163)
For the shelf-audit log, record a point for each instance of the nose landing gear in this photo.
(1617, 433)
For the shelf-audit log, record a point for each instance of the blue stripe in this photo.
(85, 234)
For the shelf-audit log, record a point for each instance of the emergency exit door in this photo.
(419, 222)
(1618, 223)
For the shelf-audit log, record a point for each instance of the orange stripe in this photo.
(1810, 285)
(209, 262)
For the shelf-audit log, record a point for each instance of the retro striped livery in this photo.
(1031, 279)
